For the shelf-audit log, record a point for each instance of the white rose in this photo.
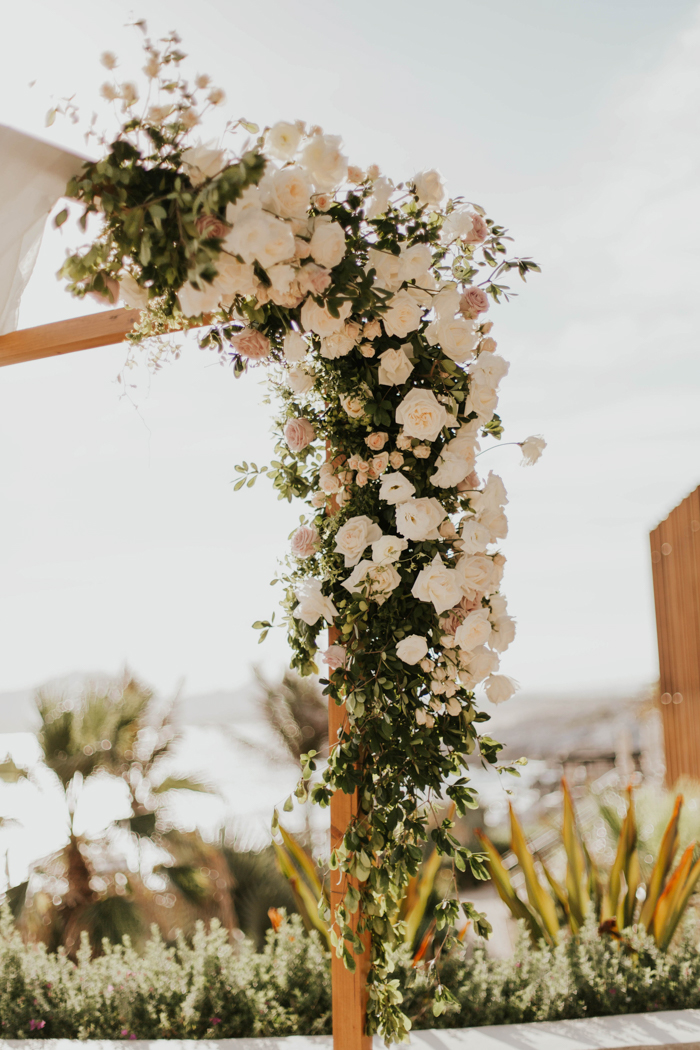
(324, 161)
(475, 572)
(446, 302)
(475, 536)
(464, 444)
(354, 407)
(421, 415)
(483, 400)
(457, 337)
(281, 276)
(499, 688)
(403, 316)
(196, 301)
(496, 522)
(502, 634)
(418, 519)
(492, 497)
(388, 549)
(437, 584)
(354, 536)
(234, 278)
(459, 223)
(328, 244)
(294, 347)
(299, 381)
(203, 162)
(249, 200)
(475, 630)
(415, 262)
(395, 488)
(387, 267)
(378, 580)
(451, 469)
(412, 649)
(479, 663)
(282, 140)
(489, 370)
(381, 195)
(499, 606)
(317, 319)
(429, 186)
(260, 236)
(287, 192)
(532, 448)
(336, 345)
(394, 366)
(312, 603)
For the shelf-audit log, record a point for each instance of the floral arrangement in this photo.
(367, 302)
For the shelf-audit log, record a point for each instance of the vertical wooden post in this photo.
(675, 560)
(349, 989)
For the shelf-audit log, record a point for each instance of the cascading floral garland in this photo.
(367, 303)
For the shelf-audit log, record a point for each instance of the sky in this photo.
(575, 124)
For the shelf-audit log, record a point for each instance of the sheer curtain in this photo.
(33, 175)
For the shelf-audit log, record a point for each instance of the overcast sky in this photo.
(575, 123)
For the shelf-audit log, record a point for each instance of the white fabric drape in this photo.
(33, 175)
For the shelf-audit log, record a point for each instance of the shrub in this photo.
(210, 988)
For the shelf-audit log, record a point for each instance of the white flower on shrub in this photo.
(418, 519)
(312, 603)
(412, 649)
(532, 448)
(438, 584)
(355, 536)
(499, 688)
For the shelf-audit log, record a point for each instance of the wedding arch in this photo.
(367, 302)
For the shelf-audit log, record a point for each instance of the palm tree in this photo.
(118, 729)
(297, 712)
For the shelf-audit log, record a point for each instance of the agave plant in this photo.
(624, 898)
(313, 902)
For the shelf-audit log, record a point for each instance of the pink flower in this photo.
(377, 441)
(305, 541)
(470, 483)
(335, 656)
(480, 230)
(474, 301)
(33, 1025)
(488, 345)
(313, 278)
(452, 620)
(211, 226)
(252, 344)
(469, 605)
(298, 433)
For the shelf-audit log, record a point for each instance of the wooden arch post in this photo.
(349, 990)
(675, 562)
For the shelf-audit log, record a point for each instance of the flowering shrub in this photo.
(368, 303)
(210, 990)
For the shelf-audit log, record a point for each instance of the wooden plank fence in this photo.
(675, 560)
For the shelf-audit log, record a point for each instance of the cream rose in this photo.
(355, 536)
(415, 262)
(287, 192)
(313, 278)
(387, 267)
(438, 584)
(324, 161)
(259, 236)
(475, 572)
(418, 519)
(354, 406)
(282, 140)
(394, 366)
(450, 470)
(429, 187)
(403, 316)
(203, 162)
(532, 448)
(295, 347)
(499, 688)
(336, 345)
(489, 369)
(299, 381)
(328, 244)
(381, 195)
(475, 536)
(483, 400)
(377, 440)
(457, 338)
(502, 634)
(377, 580)
(396, 488)
(412, 649)
(317, 319)
(335, 657)
(305, 541)
(378, 464)
(421, 415)
(475, 630)
(313, 604)
(388, 549)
